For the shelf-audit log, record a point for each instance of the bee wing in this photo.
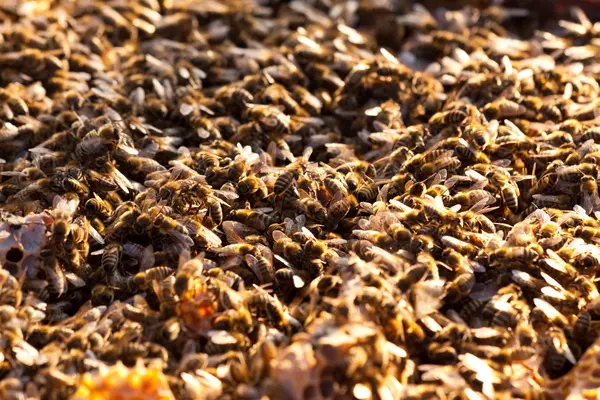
(307, 153)
(283, 261)
(12, 173)
(184, 257)
(590, 202)
(383, 193)
(277, 235)
(121, 180)
(514, 129)
(553, 293)
(181, 237)
(129, 150)
(453, 180)
(502, 163)
(74, 280)
(439, 177)
(181, 171)
(549, 310)
(265, 252)
(399, 205)
(227, 194)
(484, 373)
(427, 297)
(479, 185)
(554, 261)
(235, 232)
(147, 259)
(211, 238)
(303, 194)
(64, 206)
(95, 234)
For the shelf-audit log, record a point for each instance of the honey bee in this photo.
(99, 206)
(56, 277)
(286, 247)
(254, 219)
(587, 233)
(503, 108)
(590, 201)
(102, 295)
(261, 263)
(313, 208)
(145, 278)
(111, 258)
(270, 308)
(252, 185)
(453, 117)
(472, 197)
(155, 216)
(14, 105)
(339, 207)
(92, 147)
(289, 175)
(64, 209)
(517, 254)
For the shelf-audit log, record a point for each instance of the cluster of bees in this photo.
(255, 200)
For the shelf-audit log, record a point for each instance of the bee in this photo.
(14, 105)
(99, 206)
(558, 350)
(56, 277)
(313, 208)
(100, 182)
(359, 166)
(442, 353)
(353, 180)
(270, 308)
(252, 185)
(430, 168)
(590, 201)
(261, 264)
(453, 117)
(64, 209)
(472, 197)
(236, 96)
(510, 195)
(339, 207)
(286, 247)
(102, 295)
(269, 118)
(517, 254)
(503, 108)
(551, 112)
(367, 192)
(307, 100)
(253, 219)
(208, 196)
(582, 324)
(480, 134)
(288, 177)
(143, 165)
(145, 278)
(92, 147)
(546, 183)
(587, 233)
(173, 228)
(587, 288)
(206, 160)
(111, 257)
